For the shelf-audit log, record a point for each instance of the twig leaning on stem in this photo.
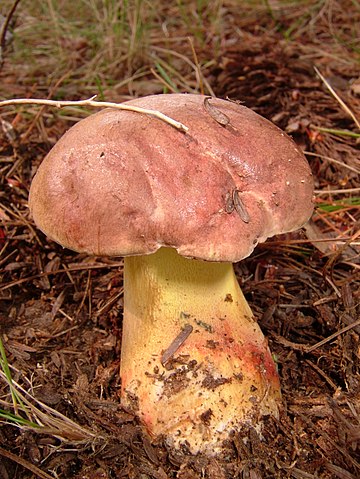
(96, 104)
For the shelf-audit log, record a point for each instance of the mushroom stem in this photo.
(195, 365)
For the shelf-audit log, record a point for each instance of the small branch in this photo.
(96, 104)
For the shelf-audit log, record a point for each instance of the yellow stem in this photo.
(195, 364)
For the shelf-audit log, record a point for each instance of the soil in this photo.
(60, 312)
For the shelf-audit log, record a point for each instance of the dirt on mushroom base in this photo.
(51, 337)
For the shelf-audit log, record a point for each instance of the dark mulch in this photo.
(60, 312)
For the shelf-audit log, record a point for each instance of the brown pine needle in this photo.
(35, 470)
(333, 336)
(333, 160)
(337, 192)
(197, 65)
(336, 96)
(305, 348)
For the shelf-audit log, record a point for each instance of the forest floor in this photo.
(60, 312)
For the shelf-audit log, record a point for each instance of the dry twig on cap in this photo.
(91, 102)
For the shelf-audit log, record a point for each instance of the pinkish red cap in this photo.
(124, 183)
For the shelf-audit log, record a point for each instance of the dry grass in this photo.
(59, 316)
(114, 48)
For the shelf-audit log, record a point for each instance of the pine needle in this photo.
(342, 103)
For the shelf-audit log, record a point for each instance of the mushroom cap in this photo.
(124, 183)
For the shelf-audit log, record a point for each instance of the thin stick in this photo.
(309, 349)
(328, 192)
(27, 465)
(176, 343)
(322, 374)
(96, 104)
(332, 160)
(342, 103)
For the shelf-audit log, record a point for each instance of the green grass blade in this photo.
(4, 365)
(338, 205)
(14, 418)
(338, 132)
(166, 77)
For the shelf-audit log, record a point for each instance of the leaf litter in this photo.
(60, 312)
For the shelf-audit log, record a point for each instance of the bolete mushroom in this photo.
(181, 208)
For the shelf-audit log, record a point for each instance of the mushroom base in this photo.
(195, 365)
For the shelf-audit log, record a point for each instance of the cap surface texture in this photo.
(124, 183)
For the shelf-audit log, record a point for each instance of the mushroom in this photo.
(181, 208)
